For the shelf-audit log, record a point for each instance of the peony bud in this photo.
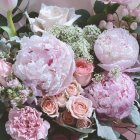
(102, 24)
(134, 25)
(8, 5)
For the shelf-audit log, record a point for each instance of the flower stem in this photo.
(10, 22)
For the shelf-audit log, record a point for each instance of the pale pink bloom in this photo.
(124, 11)
(26, 124)
(112, 96)
(102, 24)
(8, 5)
(49, 106)
(116, 48)
(61, 99)
(80, 107)
(74, 89)
(134, 25)
(84, 70)
(45, 64)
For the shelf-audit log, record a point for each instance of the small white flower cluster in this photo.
(81, 40)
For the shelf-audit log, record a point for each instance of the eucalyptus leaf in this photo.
(135, 115)
(7, 30)
(138, 30)
(83, 130)
(104, 130)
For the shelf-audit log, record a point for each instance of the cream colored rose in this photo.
(52, 15)
(80, 107)
(49, 106)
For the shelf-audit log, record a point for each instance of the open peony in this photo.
(26, 124)
(45, 64)
(52, 15)
(113, 96)
(116, 48)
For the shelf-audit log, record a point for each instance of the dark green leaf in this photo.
(17, 17)
(23, 29)
(96, 18)
(82, 21)
(99, 7)
(33, 14)
(111, 8)
(3, 20)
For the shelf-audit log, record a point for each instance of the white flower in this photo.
(52, 15)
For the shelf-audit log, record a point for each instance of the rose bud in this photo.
(86, 123)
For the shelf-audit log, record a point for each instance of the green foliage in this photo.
(3, 21)
(82, 21)
(17, 17)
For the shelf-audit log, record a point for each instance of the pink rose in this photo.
(86, 123)
(83, 73)
(67, 118)
(80, 107)
(61, 99)
(26, 124)
(74, 89)
(49, 106)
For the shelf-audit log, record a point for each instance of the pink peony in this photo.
(116, 48)
(45, 63)
(83, 73)
(112, 96)
(124, 2)
(26, 124)
(80, 107)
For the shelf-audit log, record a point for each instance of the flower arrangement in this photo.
(66, 74)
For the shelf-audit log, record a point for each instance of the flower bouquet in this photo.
(69, 74)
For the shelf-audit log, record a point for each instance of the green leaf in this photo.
(135, 115)
(99, 7)
(104, 130)
(23, 29)
(3, 20)
(17, 17)
(7, 30)
(82, 21)
(97, 18)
